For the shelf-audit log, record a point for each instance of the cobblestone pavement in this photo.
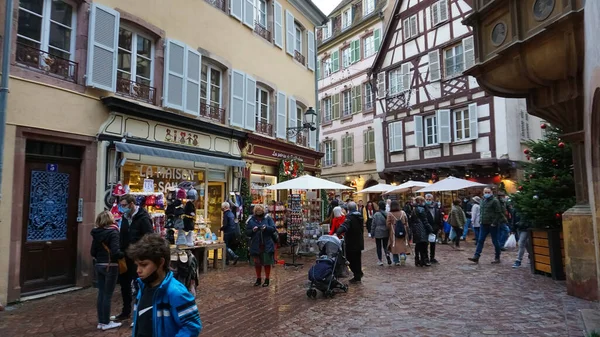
(454, 298)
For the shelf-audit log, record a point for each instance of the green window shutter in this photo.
(371, 141)
(334, 152)
(344, 150)
(358, 99)
(336, 106)
(356, 51)
(377, 38)
(335, 61)
(365, 146)
(350, 148)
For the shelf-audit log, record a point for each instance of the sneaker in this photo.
(119, 317)
(99, 326)
(380, 263)
(503, 249)
(235, 260)
(369, 234)
(517, 264)
(397, 264)
(427, 264)
(131, 326)
(434, 261)
(402, 260)
(111, 325)
(474, 259)
(496, 261)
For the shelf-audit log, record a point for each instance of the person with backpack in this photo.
(380, 232)
(397, 224)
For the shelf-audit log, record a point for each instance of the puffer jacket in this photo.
(419, 225)
(109, 237)
(379, 228)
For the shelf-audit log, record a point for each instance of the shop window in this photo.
(260, 195)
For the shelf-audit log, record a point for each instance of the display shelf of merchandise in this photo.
(278, 214)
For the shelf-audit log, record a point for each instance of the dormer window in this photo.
(347, 18)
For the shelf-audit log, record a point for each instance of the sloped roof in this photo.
(387, 36)
(341, 5)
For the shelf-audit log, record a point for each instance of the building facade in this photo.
(347, 46)
(435, 120)
(109, 92)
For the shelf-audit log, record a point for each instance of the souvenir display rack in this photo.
(312, 228)
(294, 226)
(278, 213)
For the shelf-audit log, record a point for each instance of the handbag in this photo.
(122, 263)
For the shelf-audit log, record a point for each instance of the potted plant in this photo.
(543, 195)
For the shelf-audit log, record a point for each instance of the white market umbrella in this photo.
(308, 182)
(451, 184)
(408, 186)
(379, 188)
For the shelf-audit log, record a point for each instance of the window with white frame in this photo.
(410, 27)
(327, 67)
(47, 25)
(395, 140)
(347, 101)
(298, 44)
(262, 105)
(462, 125)
(525, 135)
(134, 62)
(431, 130)
(454, 60)
(260, 12)
(369, 7)
(439, 12)
(330, 153)
(326, 31)
(368, 96)
(299, 116)
(346, 57)
(210, 85)
(347, 18)
(399, 79)
(369, 46)
(327, 109)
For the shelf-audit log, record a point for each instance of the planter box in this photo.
(548, 252)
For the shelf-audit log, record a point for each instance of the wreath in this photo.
(290, 168)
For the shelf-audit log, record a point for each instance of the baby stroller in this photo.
(324, 274)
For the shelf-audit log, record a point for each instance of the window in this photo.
(330, 153)
(410, 27)
(347, 101)
(326, 32)
(347, 18)
(260, 12)
(461, 125)
(369, 145)
(298, 44)
(47, 25)
(210, 86)
(525, 135)
(399, 79)
(369, 7)
(327, 112)
(395, 136)
(368, 96)
(299, 116)
(262, 105)
(356, 99)
(346, 57)
(439, 12)
(347, 149)
(431, 131)
(454, 60)
(134, 62)
(327, 67)
(372, 43)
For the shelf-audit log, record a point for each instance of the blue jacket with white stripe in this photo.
(174, 310)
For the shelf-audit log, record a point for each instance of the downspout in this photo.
(317, 107)
(6, 40)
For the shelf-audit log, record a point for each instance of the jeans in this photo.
(355, 260)
(467, 225)
(477, 231)
(396, 257)
(107, 281)
(523, 244)
(485, 230)
(381, 245)
(504, 232)
(230, 239)
(127, 282)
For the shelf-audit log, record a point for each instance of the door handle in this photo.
(48, 243)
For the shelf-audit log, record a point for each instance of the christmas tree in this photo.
(548, 188)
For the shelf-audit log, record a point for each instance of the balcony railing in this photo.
(262, 31)
(220, 4)
(301, 139)
(299, 57)
(212, 112)
(136, 90)
(264, 128)
(46, 62)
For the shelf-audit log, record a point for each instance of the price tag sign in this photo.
(148, 185)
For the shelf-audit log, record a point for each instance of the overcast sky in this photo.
(326, 6)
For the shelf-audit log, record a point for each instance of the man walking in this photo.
(492, 216)
(355, 242)
(231, 232)
(436, 220)
(135, 224)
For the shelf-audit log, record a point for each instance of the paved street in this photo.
(454, 298)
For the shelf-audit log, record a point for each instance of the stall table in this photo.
(201, 254)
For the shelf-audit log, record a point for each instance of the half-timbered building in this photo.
(432, 120)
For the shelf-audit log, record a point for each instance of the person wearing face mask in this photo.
(164, 306)
(492, 216)
(135, 223)
(260, 229)
(435, 218)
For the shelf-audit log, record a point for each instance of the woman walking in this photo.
(260, 229)
(338, 219)
(397, 222)
(457, 220)
(421, 229)
(368, 213)
(476, 217)
(106, 250)
(380, 232)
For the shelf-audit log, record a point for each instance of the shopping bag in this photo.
(452, 234)
(447, 227)
(511, 242)
(432, 237)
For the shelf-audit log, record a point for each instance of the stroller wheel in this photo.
(309, 293)
(329, 293)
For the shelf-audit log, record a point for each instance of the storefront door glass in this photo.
(216, 196)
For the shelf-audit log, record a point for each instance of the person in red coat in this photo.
(338, 219)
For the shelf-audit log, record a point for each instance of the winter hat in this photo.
(192, 194)
(151, 200)
(477, 199)
(115, 211)
(181, 193)
(118, 190)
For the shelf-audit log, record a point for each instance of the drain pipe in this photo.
(6, 40)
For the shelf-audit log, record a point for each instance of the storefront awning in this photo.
(164, 153)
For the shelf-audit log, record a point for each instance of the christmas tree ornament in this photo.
(526, 151)
(520, 188)
(557, 215)
(528, 158)
(554, 161)
(536, 197)
(561, 145)
(543, 126)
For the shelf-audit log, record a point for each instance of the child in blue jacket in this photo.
(163, 307)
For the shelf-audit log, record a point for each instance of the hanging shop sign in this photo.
(267, 152)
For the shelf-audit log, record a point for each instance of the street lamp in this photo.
(310, 119)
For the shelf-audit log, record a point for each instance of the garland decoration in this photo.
(290, 168)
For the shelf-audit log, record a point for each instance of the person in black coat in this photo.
(135, 224)
(353, 231)
(420, 228)
(436, 221)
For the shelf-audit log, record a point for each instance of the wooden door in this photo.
(49, 242)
